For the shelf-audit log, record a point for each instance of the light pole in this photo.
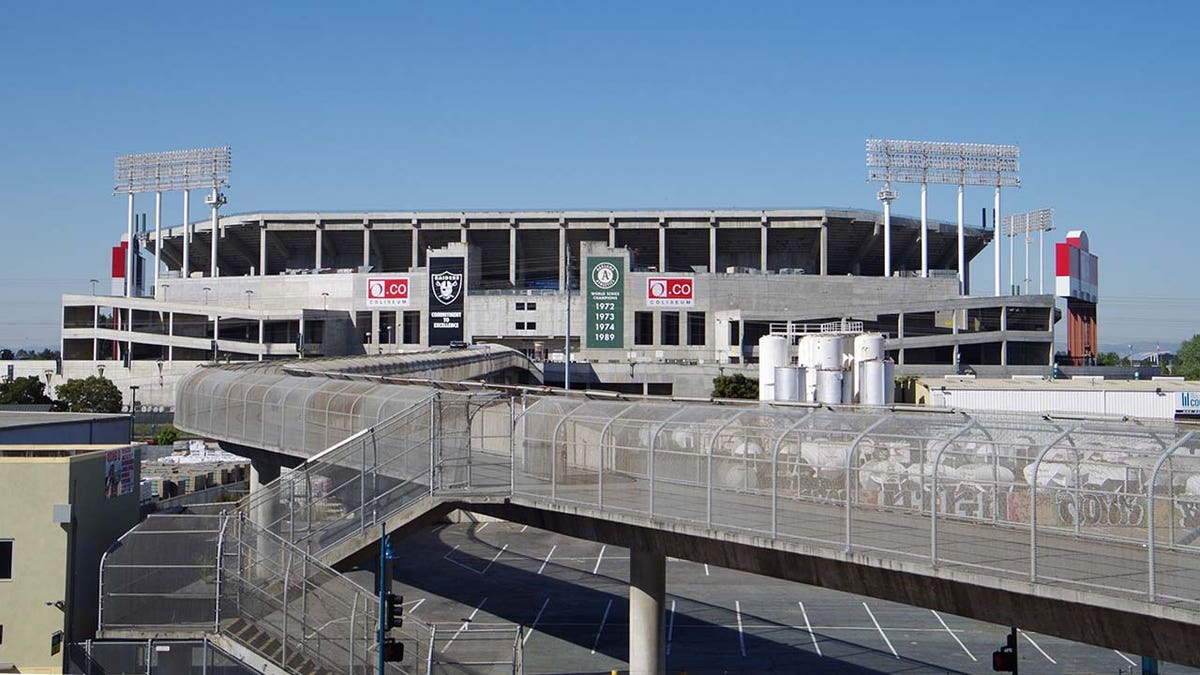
(94, 282)
(1041, 221)
(325, 301)
(164, 289)
(925, 162)
(100, 370)
(132, 409)
(248, 294)
(206, 290)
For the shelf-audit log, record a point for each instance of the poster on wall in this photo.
(118, 472)
(605, 303)
(447, 286)
(387, 291)
(670, 292)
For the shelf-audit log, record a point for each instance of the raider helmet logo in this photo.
(446, 286)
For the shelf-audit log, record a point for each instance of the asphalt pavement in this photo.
(479, 582)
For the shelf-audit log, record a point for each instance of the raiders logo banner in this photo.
(447, 288)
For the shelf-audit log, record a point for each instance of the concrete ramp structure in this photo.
(1084, 529)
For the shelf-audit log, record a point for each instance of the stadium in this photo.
(694, 291)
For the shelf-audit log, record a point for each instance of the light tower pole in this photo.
(887, 195)
(1042, 221)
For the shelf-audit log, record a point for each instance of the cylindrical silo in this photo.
(827, 351)
(772, 353)
(867, 347)
(829, 386)
(871, 383)
(789, 384)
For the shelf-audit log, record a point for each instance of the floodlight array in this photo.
(1024, 223)
(173, 170)
(895, 161)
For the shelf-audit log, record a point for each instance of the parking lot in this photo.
(571, 597)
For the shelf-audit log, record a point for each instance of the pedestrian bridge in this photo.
(1083, 529)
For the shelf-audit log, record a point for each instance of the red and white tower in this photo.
(1077, 279)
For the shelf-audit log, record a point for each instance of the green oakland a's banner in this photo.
(605, 303)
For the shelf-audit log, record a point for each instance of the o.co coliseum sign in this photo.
(387, 291)
(670, 291)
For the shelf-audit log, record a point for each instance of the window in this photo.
(6, 559)
(670, 328)
(695, 328)
(412, 327)
(526, 325)
(526, 306)
(643, 328)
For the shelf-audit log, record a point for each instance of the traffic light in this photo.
(1005, 659)
(393, 613)
(393, 650)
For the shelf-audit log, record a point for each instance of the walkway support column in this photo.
(263, 471)
(647, 591)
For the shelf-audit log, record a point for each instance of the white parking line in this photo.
(671, 628)
(417, 604)
(960, 643)
(1131, 661)
(599, 558)
(602, 622)
(885, 637)
(547, 560)
(705, 569)
(495, 558)
(737, 604)
(480, 528)
(524, 528)
(1035, 646)
(808, 625)
(451, 552)
(535, 621)
(465, 624)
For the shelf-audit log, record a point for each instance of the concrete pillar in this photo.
(375, 327)
(762, 248)
(262, 249)
(662, 245)
(317, 244)
(416, 242)
(562, 253)
(612, 233)
(712, 247)
(263, 472)
(824, 247)
(512, 253)
(261, 326)
(900, 334)
(366, 244)
(647, 590)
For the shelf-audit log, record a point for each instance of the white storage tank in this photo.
(868, 347)
(826, 351)
(829, 386)
(789, 384)
(877, 382)
(772, 354)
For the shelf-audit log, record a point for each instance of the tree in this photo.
(734, 386)
(1187, 359)
(93, 394)
(6, 354)
(1108, 359)
(25, 391)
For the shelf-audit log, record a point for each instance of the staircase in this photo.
(258, 575)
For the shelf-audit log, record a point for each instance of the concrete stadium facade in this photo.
(751, 272)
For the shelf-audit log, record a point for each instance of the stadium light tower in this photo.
(174, 170)
(938, 162)
(1041, 221)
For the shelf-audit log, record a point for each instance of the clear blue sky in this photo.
(609, 105)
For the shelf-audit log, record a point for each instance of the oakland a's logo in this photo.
(605, 275)
(446, 286)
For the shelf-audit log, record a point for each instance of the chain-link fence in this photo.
(1110, 507)
(152, 657)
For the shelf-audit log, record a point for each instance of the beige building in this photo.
(61, 507)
